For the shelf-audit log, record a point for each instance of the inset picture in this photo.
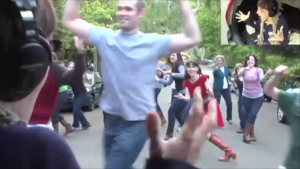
(260, 22)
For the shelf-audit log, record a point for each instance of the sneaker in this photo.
(86, 127)
(229, 122)
(168, 137)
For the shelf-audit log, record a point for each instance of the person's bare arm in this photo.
(270, 88)
(208, 88)
(241, 72)
(71, 19)
(192, 35)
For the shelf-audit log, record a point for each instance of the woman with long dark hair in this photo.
(194, 79)
(253, 95)
(56, 117)
(176, 75)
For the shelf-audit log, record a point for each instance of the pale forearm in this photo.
(270, 86)
(190, 22)
(241, 72)
(265, 77)
(71, 11)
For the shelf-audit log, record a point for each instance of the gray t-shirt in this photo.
(128, 67)
(162, 66)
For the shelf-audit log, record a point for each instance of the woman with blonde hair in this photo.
(221, 85)
(185, 57)
(238, 84)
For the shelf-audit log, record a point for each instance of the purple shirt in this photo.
(252, 86)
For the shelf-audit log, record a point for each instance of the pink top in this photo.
(252, 83)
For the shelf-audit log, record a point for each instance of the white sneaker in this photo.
(281, 167)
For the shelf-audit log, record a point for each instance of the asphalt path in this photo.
(268, 152)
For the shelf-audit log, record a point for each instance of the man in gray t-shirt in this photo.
(128, 66)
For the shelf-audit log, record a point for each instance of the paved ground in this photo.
(268, 152)
(224, 27)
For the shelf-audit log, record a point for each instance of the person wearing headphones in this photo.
(272, 25)
(25, 63)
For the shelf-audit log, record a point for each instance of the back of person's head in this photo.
(235, 72)
(25, 53)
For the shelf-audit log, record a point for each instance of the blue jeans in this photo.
(174, 92)
(158, 109)
(179, 110)
(251, 109)
(55, 116)
(123, 141)
(227, 97)
(241, 110)
(78, 116)
(185, 112)
(175, 110)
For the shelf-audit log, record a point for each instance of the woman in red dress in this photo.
(194, 78)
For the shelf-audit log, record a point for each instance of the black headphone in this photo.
(26, 55)
(273, 11)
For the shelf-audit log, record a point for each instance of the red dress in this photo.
(201, 83)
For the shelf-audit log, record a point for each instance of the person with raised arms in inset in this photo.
(272, 26)
(128, 64)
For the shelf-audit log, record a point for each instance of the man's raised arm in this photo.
(192, 35)
(74, 23)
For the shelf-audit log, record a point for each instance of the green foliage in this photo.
(101, 13)
(164, 17)
(269, 56)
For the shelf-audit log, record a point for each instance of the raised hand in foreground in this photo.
(187, 145)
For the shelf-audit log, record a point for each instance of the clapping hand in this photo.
(281, 71)
(187, 145)
(159, 69)
(247, 67)
(210, 92)
(242, 17)
(179, 96)
(269, 72)
(168, 72)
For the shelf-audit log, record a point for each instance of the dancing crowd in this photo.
(33, 85)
